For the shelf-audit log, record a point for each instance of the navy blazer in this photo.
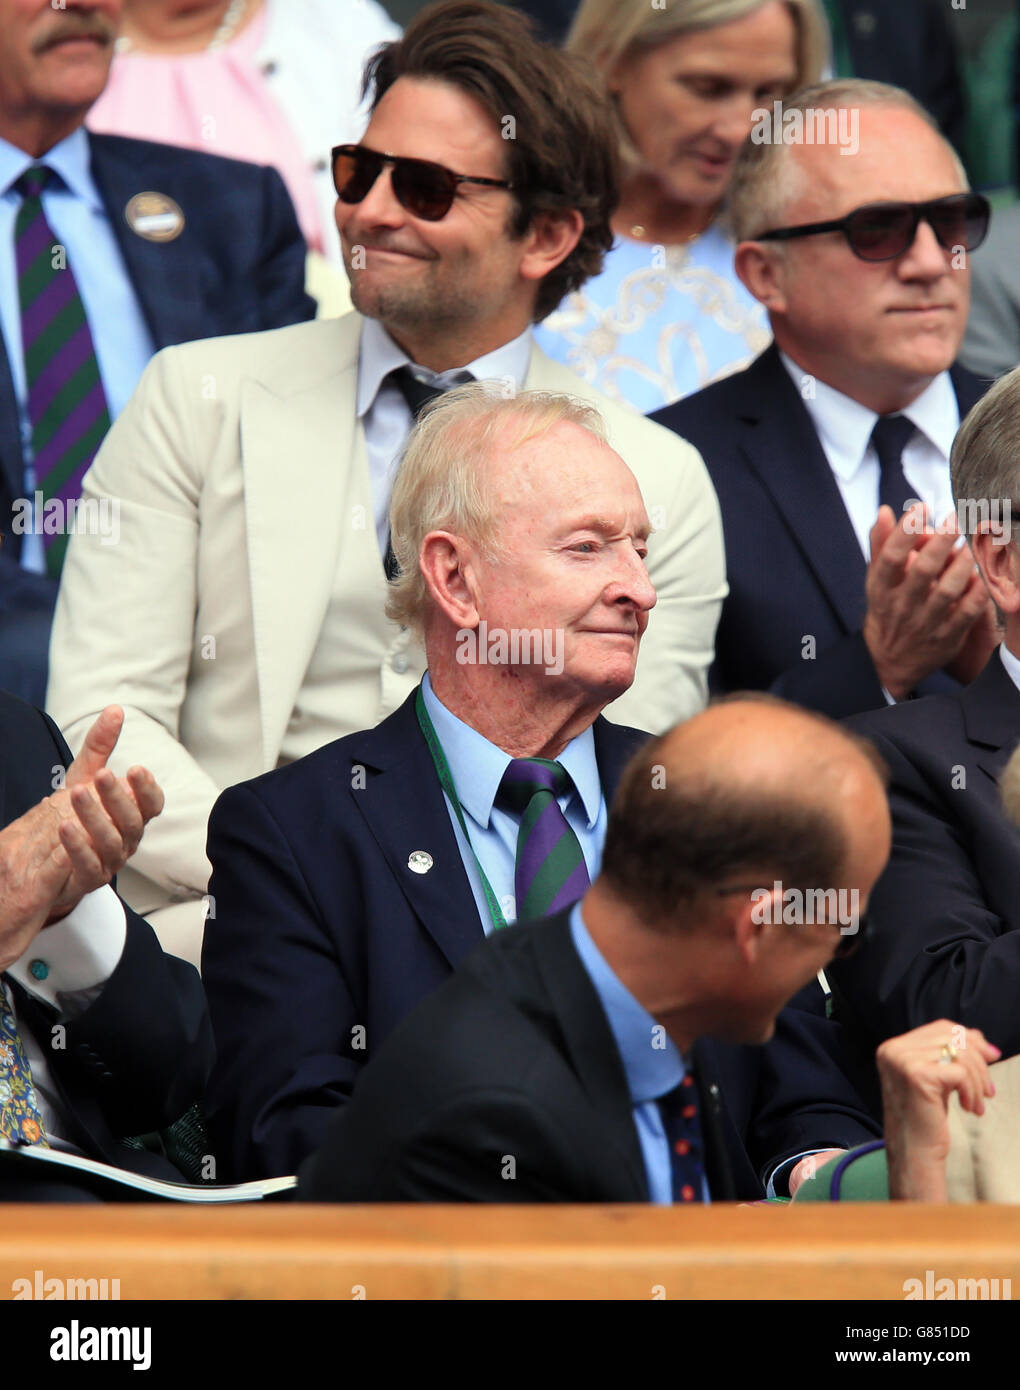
(794, 564)
(237, 267)
(137, 1058)
(514, 1056)
(944, 917)
(323, 940)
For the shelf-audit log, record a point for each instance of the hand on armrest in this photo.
(919, 1071)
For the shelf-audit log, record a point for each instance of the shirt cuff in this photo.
(77, 955)
(782, 1173)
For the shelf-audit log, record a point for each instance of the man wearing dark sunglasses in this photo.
(841, 597)
(256, 553)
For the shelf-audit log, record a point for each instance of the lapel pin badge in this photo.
(154, 216)
(419, 862)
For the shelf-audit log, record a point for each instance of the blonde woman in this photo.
(668, 314)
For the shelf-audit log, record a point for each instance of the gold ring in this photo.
(948, 1053)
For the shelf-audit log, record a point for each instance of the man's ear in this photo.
(999, 562)
(749, 920)
(762, 269)
(447, 566)
(549, 241)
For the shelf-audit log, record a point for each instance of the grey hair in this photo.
(444, 482)
(985, 461)
(766, 180)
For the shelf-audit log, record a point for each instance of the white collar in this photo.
(378, 355)
(845, 426)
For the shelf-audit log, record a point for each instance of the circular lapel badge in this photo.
(419, 862)
(154, 216)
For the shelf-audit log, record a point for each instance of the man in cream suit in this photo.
(239, 618)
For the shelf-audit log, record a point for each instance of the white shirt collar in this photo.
(844, 426)
(70, 158)
(378, 356)
(1011, 663)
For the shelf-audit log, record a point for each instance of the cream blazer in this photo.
(240, 476)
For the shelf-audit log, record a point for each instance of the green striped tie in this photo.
(66, 401)
(550, 872)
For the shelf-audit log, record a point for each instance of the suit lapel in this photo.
(12, 461)
(968, 387)
(404, 808)
(589, 1042)
(780, 444)
(991, 716)
(170, 278)
(718, 1168)
(614, 746)
(308, 509)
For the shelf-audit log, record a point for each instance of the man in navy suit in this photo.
(841, 598)
(347, 886)
(102, 1036)
(945, 918)
(612, 1052)
(161, 246)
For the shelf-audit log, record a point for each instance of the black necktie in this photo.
(890, 437)
(417, 394)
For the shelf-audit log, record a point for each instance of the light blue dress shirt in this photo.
(652, 1062)
(78, 217)
(477, 768)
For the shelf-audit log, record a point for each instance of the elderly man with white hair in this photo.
(347, 886)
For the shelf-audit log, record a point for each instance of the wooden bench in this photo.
(427, 1252)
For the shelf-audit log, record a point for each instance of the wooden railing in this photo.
(427, 1252)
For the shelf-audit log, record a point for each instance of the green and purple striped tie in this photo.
(550, 872)
(66, 401)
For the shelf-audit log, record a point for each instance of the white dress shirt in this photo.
(386, 416)
(66, 966)
(844, 429)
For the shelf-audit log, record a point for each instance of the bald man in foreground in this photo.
(608, 1053)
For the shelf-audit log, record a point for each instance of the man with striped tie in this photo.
(348, 885)
(612, 1052)
(109, 250)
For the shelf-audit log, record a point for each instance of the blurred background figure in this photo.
(992, 344)
(273, 81)
(668, 314)
(909, 44)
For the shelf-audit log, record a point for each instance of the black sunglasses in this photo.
(849, 942)
(883, 231)
(425, 189)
